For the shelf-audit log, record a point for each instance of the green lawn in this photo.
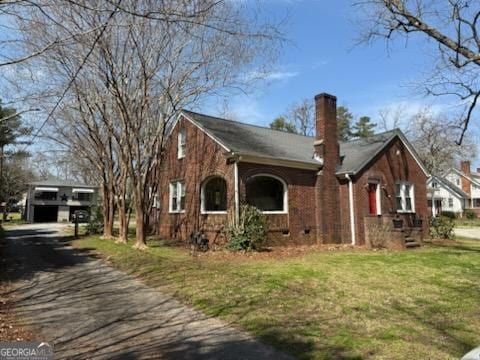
(416, 304)
(467, 222)
(14, 219)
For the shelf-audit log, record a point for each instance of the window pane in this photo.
(46, 195)
(265, 193)
(215, 195)
(399, 203)
(398, 189)
(408, 204)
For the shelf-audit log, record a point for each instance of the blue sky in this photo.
(323, 58)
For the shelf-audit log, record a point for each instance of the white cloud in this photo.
(275, 75)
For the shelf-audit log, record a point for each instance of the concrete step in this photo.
(409, 239)
(412, 244)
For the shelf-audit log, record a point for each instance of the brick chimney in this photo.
(327, 185)
(465, 183)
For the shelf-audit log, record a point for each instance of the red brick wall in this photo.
(301, 203)
(203, 158)
(465, 183)
(326, 146)
(394, 164)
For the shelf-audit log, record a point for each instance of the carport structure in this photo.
(56, 200)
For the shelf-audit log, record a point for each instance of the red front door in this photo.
(372, 198)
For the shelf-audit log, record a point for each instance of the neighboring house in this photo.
(444, 195)
(468, 182)
(56, 200)
(312, 189)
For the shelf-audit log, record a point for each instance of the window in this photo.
(267, 193)
(476, 202)
(214, 195)
(457, 181)
(45, 195)
(177, 196)
(404, 195)
(82, 196)
(450, 202)
(182, 144)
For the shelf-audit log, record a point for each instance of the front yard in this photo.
(349, 304)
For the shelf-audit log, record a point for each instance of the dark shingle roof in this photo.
(246, 139)
(56, 182)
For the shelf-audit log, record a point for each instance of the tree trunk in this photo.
(122, 214)
(107, 213)
(140, 237)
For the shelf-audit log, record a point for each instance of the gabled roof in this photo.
(474, 179)
(449, 185)
(60, 183)
(258, 141)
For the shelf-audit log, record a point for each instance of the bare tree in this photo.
(394, 117)
(302, 114)
(454, 29)
(125, 82)
(434, 139)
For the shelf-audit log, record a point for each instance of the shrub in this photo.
(449, 214)
(95, 224)
(251, 231)
(470, 214)
(441, 227)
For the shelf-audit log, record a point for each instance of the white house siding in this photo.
(446, 194)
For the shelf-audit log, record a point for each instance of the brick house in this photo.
(312, 189)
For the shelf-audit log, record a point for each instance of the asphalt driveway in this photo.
(90, 310)
(471, 232)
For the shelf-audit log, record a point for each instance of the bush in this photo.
(441, 227)
(449, 214)
(95, 224)
(251, 231)
(470, 214)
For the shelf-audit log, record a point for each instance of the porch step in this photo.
(412, 244)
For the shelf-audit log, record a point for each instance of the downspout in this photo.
(237, 197)
(352, 210)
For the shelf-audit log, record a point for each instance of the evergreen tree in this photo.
(363, 128)
(11, 132)
(280, 123)
(344, 120)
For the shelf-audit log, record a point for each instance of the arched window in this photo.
(267, 193)
(214, 195)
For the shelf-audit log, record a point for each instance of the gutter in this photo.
(351, 207)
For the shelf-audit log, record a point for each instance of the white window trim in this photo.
(403, 197)
(285, 194)
(379, 199)
(181, 143)
(202, 198)
(176, 183)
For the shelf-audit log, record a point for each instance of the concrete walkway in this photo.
(471, 232)
(89, 310)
